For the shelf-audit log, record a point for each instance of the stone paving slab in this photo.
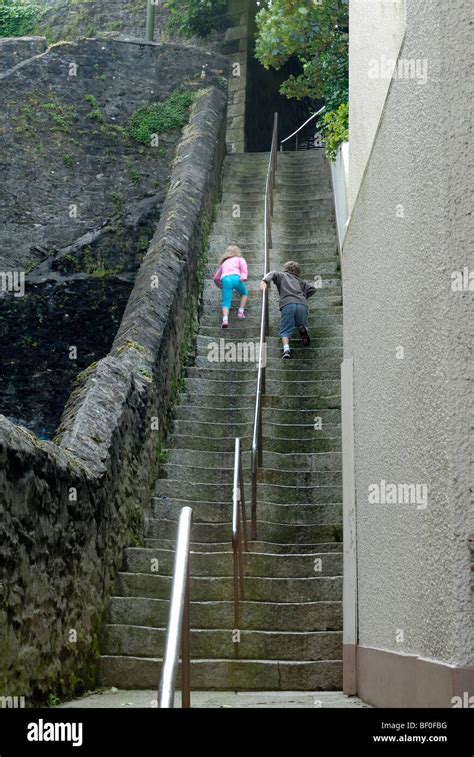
(117, 698)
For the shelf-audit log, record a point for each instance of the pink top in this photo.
(235, 266)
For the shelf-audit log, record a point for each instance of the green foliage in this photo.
(160, 117)
(96, 113)
(135, 176)
(18, 18)
(117, 199)
(53, 700)
(68, 160)
(196, 17)
(316, 33)
(62, 116)
(335, 128)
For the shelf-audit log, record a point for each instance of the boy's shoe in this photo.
(225, 324)
(305, 338)
(287, 355)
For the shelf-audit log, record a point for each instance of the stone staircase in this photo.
(292, 618)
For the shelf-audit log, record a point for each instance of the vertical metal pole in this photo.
(260, 451)
(253, 530)
(275, 127)
(296, 143)
(267, 327)
(236, 590)
(186, 651)
(150, 21)
(242, 501)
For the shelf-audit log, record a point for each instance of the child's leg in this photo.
(226, 285)
(243, 291)
(301, 322)
(287, 325)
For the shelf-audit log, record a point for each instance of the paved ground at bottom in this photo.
(117, 698)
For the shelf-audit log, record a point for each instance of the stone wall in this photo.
(69, 509)
(236, 48)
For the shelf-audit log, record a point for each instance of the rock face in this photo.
(55, 331)
(15, 50)
(64, 143)
(69, 509)
(64, 20)
(80, 201)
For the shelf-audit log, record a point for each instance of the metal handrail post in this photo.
(242, 500)
(253, 513)
(238, 512)
(176, 619)
(186, 649)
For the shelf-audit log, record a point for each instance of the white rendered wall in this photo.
(376, 33)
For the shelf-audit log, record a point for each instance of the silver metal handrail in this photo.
(239, 526)
(178, 632)
(256, 453)
(321, 110)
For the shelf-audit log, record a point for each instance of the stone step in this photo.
(325, 264)
(216, 475)
(248, 400)
(226, 444)
(230, 354)
(267, 531)
(254, 547)
(226, 675)
(228, 213)
(272, 460)
(293, 250)
(254, 231)
(251, 330)
(142, 641)
(220, 588)
(309, 388)
(211, 430)
(139, 560)
(328, 283)
(219, 510)
(242, 415)
(276, 370)
(297, 367)
(324, 234)
(320, 346)
(311, 255)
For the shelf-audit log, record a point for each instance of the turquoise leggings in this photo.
(228, 284)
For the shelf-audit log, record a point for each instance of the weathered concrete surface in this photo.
(219, 699)
(68, 509)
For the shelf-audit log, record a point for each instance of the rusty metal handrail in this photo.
(178, 632)
(239, 525)
(257, 452)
